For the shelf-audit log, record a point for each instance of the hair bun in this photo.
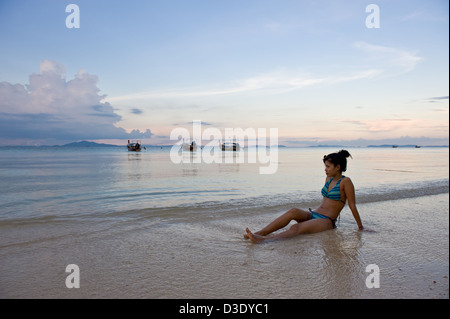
(339, 158)
(344, 153)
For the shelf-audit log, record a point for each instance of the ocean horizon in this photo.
(85, 143)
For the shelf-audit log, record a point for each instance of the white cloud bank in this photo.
(50, 108)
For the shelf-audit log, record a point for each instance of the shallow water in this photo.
(210, 259)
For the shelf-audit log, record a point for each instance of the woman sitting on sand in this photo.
(336, 191)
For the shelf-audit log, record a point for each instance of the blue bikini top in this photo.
(335, 193)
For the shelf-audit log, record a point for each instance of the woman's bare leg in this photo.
(308, 227)
(296, 214)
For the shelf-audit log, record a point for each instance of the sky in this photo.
(318, 71)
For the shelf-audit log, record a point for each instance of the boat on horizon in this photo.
(189, 147)
(134, 146)
(234, 147)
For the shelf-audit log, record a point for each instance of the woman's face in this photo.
(331, 170)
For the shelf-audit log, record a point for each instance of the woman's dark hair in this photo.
(339, 158)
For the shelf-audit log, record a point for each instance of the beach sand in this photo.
(209, 258)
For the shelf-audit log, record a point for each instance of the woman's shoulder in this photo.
(346, 180)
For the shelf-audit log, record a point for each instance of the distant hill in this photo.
(327, 146)
(392, 145)
(87, 144)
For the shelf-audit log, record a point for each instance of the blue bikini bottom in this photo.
(315, 215)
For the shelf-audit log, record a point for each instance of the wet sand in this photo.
(211, 259)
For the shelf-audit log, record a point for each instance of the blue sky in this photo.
(139, 69)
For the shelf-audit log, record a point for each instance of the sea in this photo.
(103, 207)
(48, 183)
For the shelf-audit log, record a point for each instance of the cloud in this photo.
(50, 107)
(138, 134)
(389, 59)
(136, 111)
(383, 125)
(439, 98)
(383, 61)
(276, 82)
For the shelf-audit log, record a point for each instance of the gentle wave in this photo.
(232, 208)
(403, 191)
(264, 204)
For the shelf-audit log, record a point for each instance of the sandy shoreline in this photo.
(210, 259)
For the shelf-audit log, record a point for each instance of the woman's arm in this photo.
(349, 190)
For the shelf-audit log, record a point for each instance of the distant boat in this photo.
(189, 147)
(418, 146)
(134, 146)
(394, 146)
(235, 147)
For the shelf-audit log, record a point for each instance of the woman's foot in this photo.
(255, 238)
(255, 233)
